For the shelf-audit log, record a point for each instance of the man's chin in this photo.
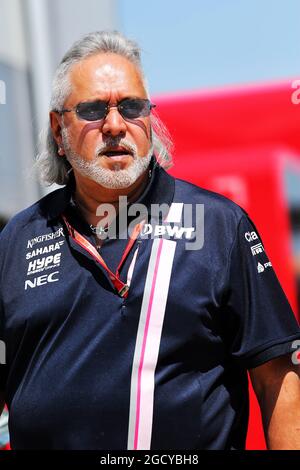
(112, 173)
(116, 163)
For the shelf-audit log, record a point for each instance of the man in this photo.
(135, 342)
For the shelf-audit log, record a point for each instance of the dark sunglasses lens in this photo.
(91, 111)
(133, 109)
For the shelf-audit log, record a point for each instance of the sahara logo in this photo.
(44, 250)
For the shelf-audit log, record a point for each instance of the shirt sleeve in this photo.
(260, 324)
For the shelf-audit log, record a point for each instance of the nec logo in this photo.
(41, 280)
(251, 236)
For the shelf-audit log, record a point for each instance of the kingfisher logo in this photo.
(46, 237)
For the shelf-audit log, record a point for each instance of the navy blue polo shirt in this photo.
(164, 367)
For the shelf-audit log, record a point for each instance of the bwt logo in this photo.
(177, 232)
(2, 92)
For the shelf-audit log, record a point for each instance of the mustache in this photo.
(111, 143)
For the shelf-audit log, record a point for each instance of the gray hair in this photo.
(54, 168)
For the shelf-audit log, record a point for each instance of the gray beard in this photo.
(112, 179)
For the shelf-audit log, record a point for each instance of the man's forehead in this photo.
(106, 72)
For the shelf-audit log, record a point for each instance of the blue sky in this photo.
(206, 43)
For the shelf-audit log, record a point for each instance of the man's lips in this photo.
(115, 154)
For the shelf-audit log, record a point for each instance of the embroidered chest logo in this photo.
(43, 264)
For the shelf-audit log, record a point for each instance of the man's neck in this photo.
(89, 196)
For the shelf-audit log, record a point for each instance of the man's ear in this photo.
(55, 122)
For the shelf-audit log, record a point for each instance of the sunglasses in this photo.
(129, 108)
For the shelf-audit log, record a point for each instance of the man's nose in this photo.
(114, 124)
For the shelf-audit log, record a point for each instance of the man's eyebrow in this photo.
(127, 97)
